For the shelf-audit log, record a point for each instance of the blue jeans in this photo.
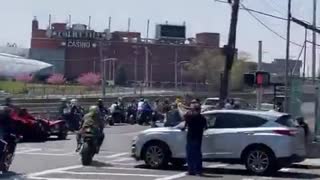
(194, 156)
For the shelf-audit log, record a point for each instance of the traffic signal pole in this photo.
(260, 88)
(230, 49)
(287, 78)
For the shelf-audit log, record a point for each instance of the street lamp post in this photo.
(176, 65)
(103, 82)
(151, 74)
(181, 63)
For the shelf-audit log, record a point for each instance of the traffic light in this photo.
(260, 78)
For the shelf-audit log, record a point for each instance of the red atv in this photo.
(36, 128)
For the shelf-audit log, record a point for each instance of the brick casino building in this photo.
(76, 49)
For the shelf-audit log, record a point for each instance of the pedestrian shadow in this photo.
(11, 175)
(167, 168)
(243, 172)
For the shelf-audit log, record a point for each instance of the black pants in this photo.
(194, 156)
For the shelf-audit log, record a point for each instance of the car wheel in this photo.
(156, 155)
(260, 161)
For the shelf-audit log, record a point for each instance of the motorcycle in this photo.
(144, 117)
(8, 147)
(89, 146)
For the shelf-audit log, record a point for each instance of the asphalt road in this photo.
(56, 160)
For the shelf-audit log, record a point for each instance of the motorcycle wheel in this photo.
(86, 154)
(6, 161)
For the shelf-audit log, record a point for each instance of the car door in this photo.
(218, 136)
(227, 136)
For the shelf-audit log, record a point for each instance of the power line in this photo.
(270, 29)
(256, 11)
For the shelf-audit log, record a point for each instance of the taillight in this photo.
(286, 132)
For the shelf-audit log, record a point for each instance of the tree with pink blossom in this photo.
(56, 79)
(25, 78)
(90, 79)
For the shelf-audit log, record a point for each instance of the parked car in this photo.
(264, 141)
(210, 104)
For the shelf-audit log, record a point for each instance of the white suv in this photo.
(263, 141)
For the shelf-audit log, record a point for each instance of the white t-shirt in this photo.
(140, 105)
(113, 108)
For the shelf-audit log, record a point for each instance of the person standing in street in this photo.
(196, 124)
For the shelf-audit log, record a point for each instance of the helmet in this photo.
(63, 99)
(93, 109)
(73, 100)
(100, 100)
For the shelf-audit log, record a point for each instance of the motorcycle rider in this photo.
(121, 107)
(92, 120)
(103, 110)
(132, 110)
(146, 112)
(76, 114)
(116, 112)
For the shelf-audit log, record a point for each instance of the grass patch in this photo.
(12, 87)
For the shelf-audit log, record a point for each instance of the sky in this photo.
(199, 15)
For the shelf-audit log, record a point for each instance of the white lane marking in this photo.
(28, 151)
(46, 178)
(122, 159)
(109, 174)
(176, 176)
(116, 155)
(124, 164)
(51, 154)
(216, 165)
(129, 169)
(181, 175)
(285, 169)
(52, 171)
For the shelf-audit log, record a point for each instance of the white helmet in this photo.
(74, 101)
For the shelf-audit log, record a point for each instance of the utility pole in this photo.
(305, 53)
(102, 71)
(230, 50)
(259, 89)
(135, 63)
(146, 65)
(176, 68)
(314, 41)
(286, 103)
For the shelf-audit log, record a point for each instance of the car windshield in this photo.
(287, 120)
